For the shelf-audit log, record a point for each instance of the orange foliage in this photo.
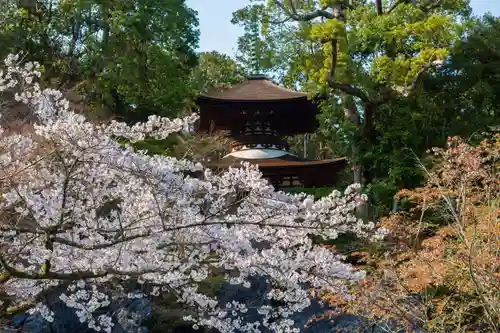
(441, 263)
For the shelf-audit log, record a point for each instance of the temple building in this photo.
(256, 115)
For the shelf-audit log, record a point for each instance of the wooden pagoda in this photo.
(257, 114)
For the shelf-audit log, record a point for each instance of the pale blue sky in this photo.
(217, 32)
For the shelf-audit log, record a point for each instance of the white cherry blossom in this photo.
(80, 209)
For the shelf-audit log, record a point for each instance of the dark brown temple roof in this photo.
(255, 88)
(278, 162)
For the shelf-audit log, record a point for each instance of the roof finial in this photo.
(256, 51)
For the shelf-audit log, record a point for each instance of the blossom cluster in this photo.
(80, 207)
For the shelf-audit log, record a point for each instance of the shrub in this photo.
(440, 267)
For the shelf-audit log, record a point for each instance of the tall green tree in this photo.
(216, 71)
(369, 58)
(133, 57)
(464, 93)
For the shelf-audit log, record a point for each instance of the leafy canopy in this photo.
(121, 55)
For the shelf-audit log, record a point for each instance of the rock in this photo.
(132, 315)
(255, 297)
(129, 315)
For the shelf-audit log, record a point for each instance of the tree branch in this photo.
(399, 2)
(351, 90)
(344, 87)
(97, 246)
(15, 273)
(395, 5)
(378, 6)
(280, 21)
(421, 71)
(411, 88)
(304, 17)
(36, 299)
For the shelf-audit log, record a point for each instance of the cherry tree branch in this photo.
(80, 275)
(36, 299)
(97, 246)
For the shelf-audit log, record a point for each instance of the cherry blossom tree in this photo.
(79, 209)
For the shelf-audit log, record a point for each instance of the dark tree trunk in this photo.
(368, 138)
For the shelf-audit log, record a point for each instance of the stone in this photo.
(129, 315)
(255, 297)
(132, 315)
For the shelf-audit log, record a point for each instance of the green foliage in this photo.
(392, 58)
(158, 147)
(121, 59)
(457, 99)
(342, 243)
(212, 284)
(216, 71)
(464, 92)
(132, 57)
(167, 315)
(317, 193)
(277, 47)
(400, 43)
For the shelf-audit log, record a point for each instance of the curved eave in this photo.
(255, 88)
(278, 162)
(229, 100)
(295, 164)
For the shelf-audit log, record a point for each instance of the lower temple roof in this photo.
(284, 161)
(288, 171)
